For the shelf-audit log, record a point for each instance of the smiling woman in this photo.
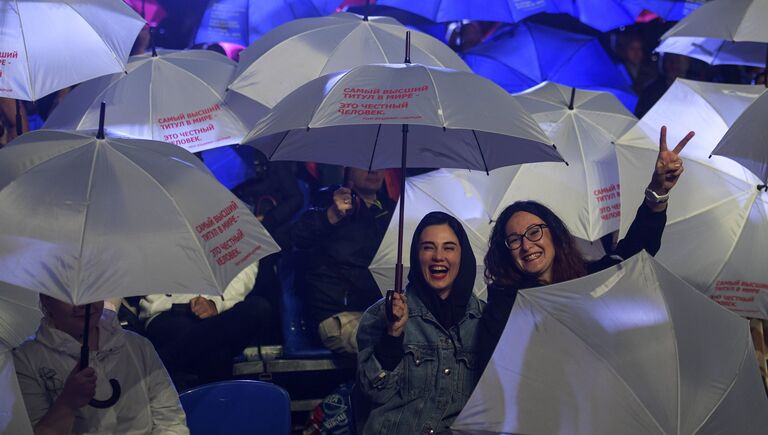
(419, 370)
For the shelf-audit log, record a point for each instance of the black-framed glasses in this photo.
(534, 233)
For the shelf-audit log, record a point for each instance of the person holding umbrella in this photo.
(530, 246)
(57, 392)
(419, 368)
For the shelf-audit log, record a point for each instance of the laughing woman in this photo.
(419, 370)
(530, 246)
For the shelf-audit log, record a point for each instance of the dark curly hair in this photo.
(500, 268)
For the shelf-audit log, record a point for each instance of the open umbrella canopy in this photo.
(46, 45)
(172, 96)
(747, 140)
(456, 120)
(670, 10)
(302, 50)
(629, 350)
(717, 218)
(722, 32)
(13, 415)
(19, 315)
(529, 53)
(85, 219)
(584, 125)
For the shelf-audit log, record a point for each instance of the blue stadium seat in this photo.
(300, 338)
(237, 407)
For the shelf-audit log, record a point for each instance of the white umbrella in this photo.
(747, 140)
(584, 125)
(366, 117)
(46, 45)
(722, 32)
(717, 220)
(172, 96)
(13, 415)
(630, 350)
(85, 219)
(19, 315)
(301, 50)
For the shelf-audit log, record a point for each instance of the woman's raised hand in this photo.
(669, 165)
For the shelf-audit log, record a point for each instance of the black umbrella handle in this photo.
(102, 404)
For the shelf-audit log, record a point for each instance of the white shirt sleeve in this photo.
(238, 289)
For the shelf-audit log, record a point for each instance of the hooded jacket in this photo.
(149, 404)
(420, 381)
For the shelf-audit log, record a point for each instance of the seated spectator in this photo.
(200, 335)
(271, 192)
(341, 238)
(419, 369)
(56, 392)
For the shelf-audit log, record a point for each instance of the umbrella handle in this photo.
(102, 404)
(388, 306)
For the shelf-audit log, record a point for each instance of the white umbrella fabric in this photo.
(722, 32)
(301, 50)
(84, 219)
(171, 96)
(584, 125)
(629, 350)
(19, 315)
(13, 415)
(747, 140)
(46, 45)
(717, 219)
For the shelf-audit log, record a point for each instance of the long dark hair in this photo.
(500, 268)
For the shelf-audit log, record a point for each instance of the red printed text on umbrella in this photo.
(192, 130)
(381, 104)
(608, 198)
(740, 296)
(223, 236)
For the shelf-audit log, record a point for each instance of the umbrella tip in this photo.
(762, 187)
(367, 7)
(102, 110)
(710, 156)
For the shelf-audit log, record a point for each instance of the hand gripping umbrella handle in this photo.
(84, 351)
(388, 303)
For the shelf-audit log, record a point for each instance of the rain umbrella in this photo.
(13, 415)
(367, 117)
(529, 53)
(172, 96)
(670, 10)
(745, 141)
(47, 45)
(722, 32)
(717, 218)
(629, 350)
(302, 50)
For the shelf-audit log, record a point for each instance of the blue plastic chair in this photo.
(237, 407)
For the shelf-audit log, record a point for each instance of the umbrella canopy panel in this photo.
(302, 50)
(46, 45)
(175, 97)
(747, 140)
(623, 351)
(729, 20)
(83, 220)
(456, 120)
(13, 415)
(20, 315)
(715, 218)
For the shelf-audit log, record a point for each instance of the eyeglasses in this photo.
(534, 233)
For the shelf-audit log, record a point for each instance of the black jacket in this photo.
(644, 233)
(335, 275)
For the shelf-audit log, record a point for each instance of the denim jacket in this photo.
(430, 386)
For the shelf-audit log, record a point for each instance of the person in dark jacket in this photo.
(339, 241)
(419, 370)
(530, 246)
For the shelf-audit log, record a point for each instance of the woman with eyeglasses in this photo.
(530, 246)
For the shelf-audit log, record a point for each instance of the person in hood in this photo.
(419, 370)
(56, 392)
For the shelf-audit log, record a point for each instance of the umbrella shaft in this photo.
(399, 265)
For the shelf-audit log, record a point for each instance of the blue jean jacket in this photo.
(430, 386)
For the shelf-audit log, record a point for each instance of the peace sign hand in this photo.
(669, 165)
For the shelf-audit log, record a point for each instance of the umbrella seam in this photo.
(753, 199)
(730, 387)
(26, 52)
(600, 357)
(76, 292)
(369, 26)
(437, 96)
(335, 49)
(586, 172)
(176, 206)
(467, 228)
